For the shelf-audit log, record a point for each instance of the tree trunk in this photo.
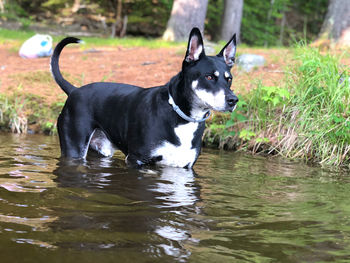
(336, 25)
(232, 18)
(269, 14)
(283, 24)
(184, 16)
(76, 6)
(2, 6)
(119, 26)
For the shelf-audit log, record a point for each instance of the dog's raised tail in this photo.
(55, 69)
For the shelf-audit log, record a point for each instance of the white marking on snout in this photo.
(227, 75)
(215, 101)
(179, 155)
(216, 74)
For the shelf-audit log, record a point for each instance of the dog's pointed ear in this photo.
(229, 52)
(195, 47)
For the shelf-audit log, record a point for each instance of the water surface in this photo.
(231, 208)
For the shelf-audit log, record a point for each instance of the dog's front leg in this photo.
(132, 161)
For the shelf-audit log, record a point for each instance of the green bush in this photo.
(306, 117)
(262, 21)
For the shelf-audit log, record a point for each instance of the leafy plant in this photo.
(246, 135)
(275, 95)
(306, 117)
(239, 114)
(262, 140)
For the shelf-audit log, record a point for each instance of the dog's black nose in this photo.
(232, 101)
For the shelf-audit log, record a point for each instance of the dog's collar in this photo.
(183, 115)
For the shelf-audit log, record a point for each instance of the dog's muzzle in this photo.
(231, 102)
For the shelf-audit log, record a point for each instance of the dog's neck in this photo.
(185, 99)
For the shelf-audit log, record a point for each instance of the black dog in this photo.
(160, 125)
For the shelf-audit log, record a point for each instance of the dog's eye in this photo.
(229, 79)
(209, 77)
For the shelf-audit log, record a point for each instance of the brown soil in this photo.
(138, 66)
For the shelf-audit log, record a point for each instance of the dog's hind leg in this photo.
(74, 137)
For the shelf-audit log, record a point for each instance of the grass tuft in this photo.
(18, 37)
(22, 113)
(305, 117)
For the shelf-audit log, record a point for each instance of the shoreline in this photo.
(303, 115)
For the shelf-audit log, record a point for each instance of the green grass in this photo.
(38, 76)
(130, 42)
(19, 36)
(320, 107)
(20, 112)
(307, 116)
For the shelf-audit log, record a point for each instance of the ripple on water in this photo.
(231, 208)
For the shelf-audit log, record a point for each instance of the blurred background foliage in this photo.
(264, 22)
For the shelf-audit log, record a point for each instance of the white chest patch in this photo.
(179, 155)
